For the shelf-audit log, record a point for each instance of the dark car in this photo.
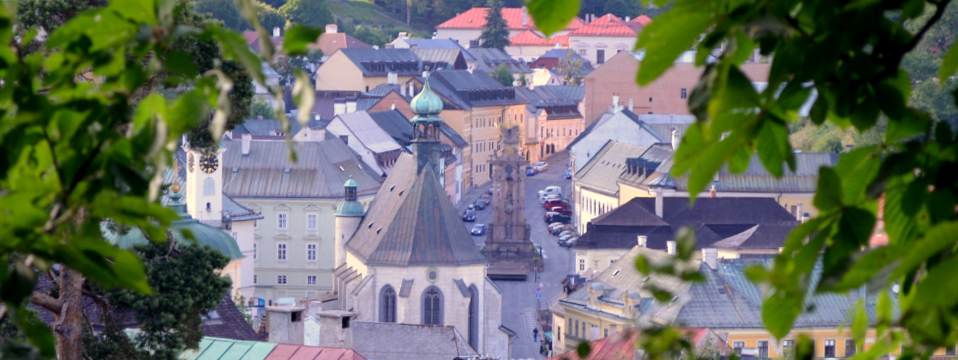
(567, 174)
(489, 191)
(469, 216)
(478, 229)
(486, 199)
(551, 203)
(552, 217)
(561, 210)
(480, 204)
(531, 171)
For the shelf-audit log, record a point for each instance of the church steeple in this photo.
(348, 216)
(427, 106)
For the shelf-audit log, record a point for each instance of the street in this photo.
(519, 302)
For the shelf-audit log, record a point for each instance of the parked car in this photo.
(486, 199)
(480, 204)
(567, 174)
(471, 207)
(569, 243)
(556, 217)
(531, 171)
(469, 215)
(561, 210)
(541, 166)
(489, 191)
(560, 229)
(566, 234)
(545, 197)
(549, 190)
(551, 203)
(479, 229)
(554, 226)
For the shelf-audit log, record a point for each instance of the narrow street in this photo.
(519, 301)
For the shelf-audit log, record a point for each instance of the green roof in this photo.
(350, 182)
(426, 105)
(203, 235)
(218, 348)
(350, 208)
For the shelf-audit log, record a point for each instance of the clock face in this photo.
(189, 162)
(209, 163)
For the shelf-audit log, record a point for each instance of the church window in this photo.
(310, 279)
(281, 251)
(281, 279)
(281, 221)
(310, 252)
(254, 278)
(255, 251)
(209, 187)
(387, 312)
(473, 317)
(432, 306)
(311, 221)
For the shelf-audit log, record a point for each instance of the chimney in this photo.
(276, 32)
(392, 107)
(615, 103)
(314, 308)
(285, 324)
(710, 255)
(658, 204)
(335, 329)
(712, 191)
(643, 241)
(331, 28)
(627, 19)
(631, 107)
(246, 139)
(675, 139)
(339, 107)
(392, 78)
(350, 105)
(402, 90)
(525, 16)
(798, 212)
(403, 35)
(671, 246)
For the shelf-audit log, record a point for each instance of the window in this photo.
(255, 251)
(850, 348)
(281, 251)
(559, 334)
(950, 351)
(387, 312)
(577, 328)
(345, 138)
(235, 235)
(738, 345)
(432, 306)
(600, 56)
(209, 187)
(310, 252)
(581, 264)
(788, 343)
(256, 224)
(583, 52)
(281, 279)
(281, 221)
(763, 349)
(311, 221)
(310, 279)
(595, 264)
(473, 43)
(473, 317)
(254, 278)
(829, 348)
(684, 93)
(605, 332)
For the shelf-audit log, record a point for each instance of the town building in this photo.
(404, 42)
(362, 134)
(466, 27)
(594, 186)
(622, 125)
(529, 45)
(666, 95)
(489, 60)
(221, 348)
(386, 97)
(408, 259)
(622, 346)
(559, 62)
(364, 69)
(331, 40)
(604, 37)
(732, 227)
(553, 118)
(473, 105)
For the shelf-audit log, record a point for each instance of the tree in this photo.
(223, 10)
(313, 13)
(270, 17)
(853, 56)
(78, 155)
(503, 75)
(571, 69)
(495, 35)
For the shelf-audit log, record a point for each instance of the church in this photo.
(408, 259)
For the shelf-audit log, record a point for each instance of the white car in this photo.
(546, 197)
(541, 166)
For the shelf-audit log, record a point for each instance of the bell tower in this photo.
(348, 216)
(425, 144)
(204, 184)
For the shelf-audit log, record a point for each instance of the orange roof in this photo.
(530, 38)
(642, 19)
(475, 18)
(608, 29)
(620, 346)
(607, 19)
(301, 352)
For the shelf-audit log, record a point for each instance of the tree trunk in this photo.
(69, 322)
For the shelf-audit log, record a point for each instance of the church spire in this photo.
(426, 124)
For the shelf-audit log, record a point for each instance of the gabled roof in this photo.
(408, 341)
(215, 348)
(453, 135)
(373, 137)
(395, 124)
(530, 38)
(264, 127)
(321, 170)
(455, 86)
(761, 236)
(757, 179)
(609, 29)
(406, 62)
(607, 116)
(490, 59)
(442, 59)
(330, 42)
(603, 170)
(411, 222)
(475, 18)
(642, 19)
(437, 44)
(552, 95)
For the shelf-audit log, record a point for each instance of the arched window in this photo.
(209, 187)
(387, 311)
(432, 306)
(474, 317)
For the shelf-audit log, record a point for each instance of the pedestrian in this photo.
(535, 334)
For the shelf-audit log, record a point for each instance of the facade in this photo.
(624, 126)
(364, 69)
(666, 95)
(554, 118)
(555, 59)
(604, 37)
(292, 249)
(529, 45)
(489, 60)
(594, 187)
(466, 27)
(408, 259)
(731, 227)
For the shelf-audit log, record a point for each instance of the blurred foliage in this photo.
(503, 75)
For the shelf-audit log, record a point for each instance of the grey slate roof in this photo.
(406, 341)
(761, 236)
(603, 170)
(552, 95)
(453, 135)
(608, 114)
(236, 211)
(756, 179)
(395, 124)
(382, 90)
(441, 59)
(490, 59)
(412, 222)
(440, 44)
(464, 90)
(320, 171)
(401, 61)
(728, 300)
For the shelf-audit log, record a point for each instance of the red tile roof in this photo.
(642, 19)
(475, 18)
(330, 42)
(620, 346)
(607, 19)
(301, 352)
(529, 37)
(615, 30)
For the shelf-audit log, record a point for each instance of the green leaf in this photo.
(551, 16)
(304, 96)
(186, 113)
(779, 313)
(938, 239)
(829, 194)
(181, 63)
(234, 47)
(773, 147)
(298, 38)
(583, 349)
(18, 284)
(873, 267)
(142, 11)
(860, 324)
(669, 35)
(949, 64)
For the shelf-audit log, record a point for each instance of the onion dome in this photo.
(426, 105)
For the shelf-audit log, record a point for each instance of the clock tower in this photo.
(508, 246)
(204, 184)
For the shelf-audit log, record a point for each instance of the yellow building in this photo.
(364, 69)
